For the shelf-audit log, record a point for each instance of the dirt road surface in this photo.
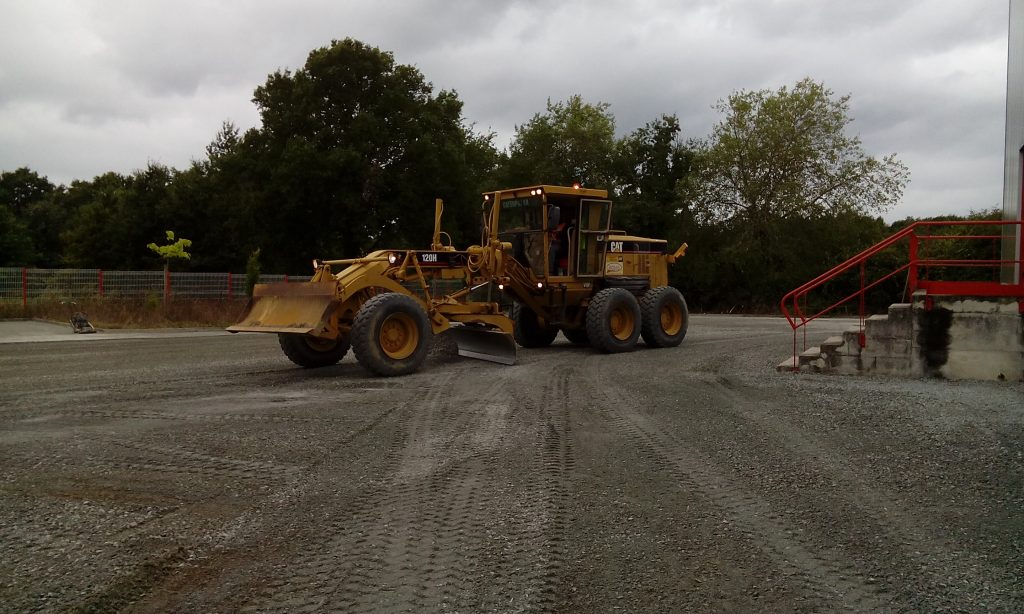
(205, 473)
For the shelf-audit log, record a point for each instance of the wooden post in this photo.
(167, 283)
(100, 281)
(24, 288)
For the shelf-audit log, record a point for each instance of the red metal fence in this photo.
(881, 264)
(25, 284)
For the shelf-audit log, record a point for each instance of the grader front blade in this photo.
(300, 308)
(484, 344)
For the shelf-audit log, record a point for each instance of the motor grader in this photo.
(548, 251)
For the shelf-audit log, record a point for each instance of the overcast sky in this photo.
(93, 86)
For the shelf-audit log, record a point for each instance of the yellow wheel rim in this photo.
(622, 323)
(399, 336)
(671, 319)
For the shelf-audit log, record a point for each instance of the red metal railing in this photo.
(920, 274)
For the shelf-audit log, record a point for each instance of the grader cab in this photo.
(551, 250)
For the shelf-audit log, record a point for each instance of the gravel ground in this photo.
(205, 473)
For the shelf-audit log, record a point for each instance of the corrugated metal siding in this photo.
(1013, 171)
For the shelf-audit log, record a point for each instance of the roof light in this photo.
(576, 185)
(392, 258)
(540, 285)
(316, 264)
(501, 286)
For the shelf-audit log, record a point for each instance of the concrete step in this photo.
(832, 344)
(790, 364)
(813, 359)
(901, 311)
(884, 327)
(810, 353)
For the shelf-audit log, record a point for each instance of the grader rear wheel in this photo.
(311, 352)
(665, 317)
(391, 335)
(613, 320)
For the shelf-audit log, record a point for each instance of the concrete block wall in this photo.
(889, 349)
(968, 338)
(949, 337)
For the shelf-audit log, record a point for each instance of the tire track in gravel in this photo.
(887, 519)
(557, 461)
(338, 562)
(421, 545)
(827, 576)
(280, 558)
(270, 524)
(107, 452)
(455, 524)
(32, 549)
(147, 386)
(94, 402)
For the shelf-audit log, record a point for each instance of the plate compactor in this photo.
(549, 260)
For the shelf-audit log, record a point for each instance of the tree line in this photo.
(353, 147)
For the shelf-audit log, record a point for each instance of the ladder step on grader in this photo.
(550, 250)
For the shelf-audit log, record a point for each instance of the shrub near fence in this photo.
(23, 284)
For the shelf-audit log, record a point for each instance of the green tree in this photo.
(118, 216)
(648, 164)
(15, 246)
(786, 153)
(175, 249)
(786, 190)
(570, 141)
(26, 222)
(22, 187)
(352, 150)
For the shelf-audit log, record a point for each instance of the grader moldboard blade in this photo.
(298, 308)
(484, 344)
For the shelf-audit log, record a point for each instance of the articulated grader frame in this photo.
(552, 252)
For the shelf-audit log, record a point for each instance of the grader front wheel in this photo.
(529, 330)
(311, 352)
(391, 335)
(576, 336)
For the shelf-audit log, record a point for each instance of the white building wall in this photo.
(1013, 173)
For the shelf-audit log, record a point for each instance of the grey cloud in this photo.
(114, 83)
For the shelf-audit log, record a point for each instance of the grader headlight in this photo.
(393, 258)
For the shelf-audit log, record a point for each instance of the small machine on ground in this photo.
(551, 250)
(80, 323)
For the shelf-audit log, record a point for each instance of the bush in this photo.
(252, 272)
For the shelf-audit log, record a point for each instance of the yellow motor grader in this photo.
(551, 250)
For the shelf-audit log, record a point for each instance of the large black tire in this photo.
(576, 336)
(613, 320)
(311, 352)
(665, 317)
(391, 335)
(528, 329)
